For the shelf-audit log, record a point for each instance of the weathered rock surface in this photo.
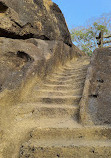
(25, 19)
(49, 104)
(22, 24)
(20, 59)
(41, 85)
(96, 100)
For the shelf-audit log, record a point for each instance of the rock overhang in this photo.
(25, 19)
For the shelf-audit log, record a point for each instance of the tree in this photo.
(85, 37)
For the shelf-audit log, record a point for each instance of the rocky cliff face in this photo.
(32, 34)
(25, 19)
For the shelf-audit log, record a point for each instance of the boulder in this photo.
(41, 19)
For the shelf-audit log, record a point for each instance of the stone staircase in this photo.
(49, 122)
(55, 107)
(59, 95)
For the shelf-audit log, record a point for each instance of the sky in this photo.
(78, 12)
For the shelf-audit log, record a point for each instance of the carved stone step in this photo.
(40, 110)
(49, 92)
(65, 143)
(69, 100)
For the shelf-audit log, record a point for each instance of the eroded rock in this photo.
(21, 59)
(96, 101)
(26, 19)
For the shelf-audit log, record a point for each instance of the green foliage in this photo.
(85, 37)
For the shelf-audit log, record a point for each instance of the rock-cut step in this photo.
(70, 74)
(69, 100)
(63, 87)
(65, 81)
(79, 142)
(69, 149)
(77, 132)
(49, 93)
(40, 110)
(67, 77)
